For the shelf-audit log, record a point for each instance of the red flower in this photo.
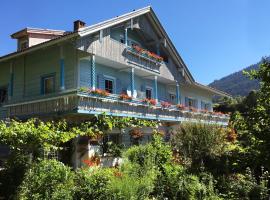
(125, 97)
(192, 109)
(118, 174)
(149, 101)
(165, 104)
(100, 92)
(93, 161)
(136, 133)
(180, 106)
(148, 53)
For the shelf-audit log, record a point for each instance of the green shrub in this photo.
(129, 183)
(176, 183)
(157, 153)
(12, 174)
(93, 183)
(198, 142)
(48, 179)
(244, 186)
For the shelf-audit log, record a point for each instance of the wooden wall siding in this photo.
(18, 89)
(3, 113)
(116, 51)
(85, 73)
(70, 60)
(55, 106)
(147, 28)
(4, 74)
(28, 70)
(122, 80)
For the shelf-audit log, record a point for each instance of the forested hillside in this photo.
(237, 83)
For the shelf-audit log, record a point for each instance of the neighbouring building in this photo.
(130, 57)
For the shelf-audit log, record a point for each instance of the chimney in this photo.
(78, 24)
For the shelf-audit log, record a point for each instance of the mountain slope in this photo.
(237, 83)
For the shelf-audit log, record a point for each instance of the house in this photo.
(128, 62)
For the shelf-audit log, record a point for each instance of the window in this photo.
(109, 85)
(172, 97)
(148, 93)
(3, 94)
(205, 106)
(48, 84)
(122, 39)
(189, 102)
(23, 45)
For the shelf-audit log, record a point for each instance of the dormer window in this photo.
(23, 44)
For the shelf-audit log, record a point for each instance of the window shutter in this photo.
(100, 81)
(118, 88)
(186, 101)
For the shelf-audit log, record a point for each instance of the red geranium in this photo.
(165, 104)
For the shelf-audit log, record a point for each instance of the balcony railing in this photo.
(143, 58)
(87, 103)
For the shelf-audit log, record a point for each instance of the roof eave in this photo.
(111, 22)
(213, 90)
(39, 46)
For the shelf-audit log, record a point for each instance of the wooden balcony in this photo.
(142, 60)
(76, 102)
(119, 52)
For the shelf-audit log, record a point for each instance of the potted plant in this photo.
(165, 104)
(99, 92)
(192, 109)
(125, 97)
(180, 106)
(136, 133)
(152, 102)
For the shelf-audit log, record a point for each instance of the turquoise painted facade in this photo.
(104, 57)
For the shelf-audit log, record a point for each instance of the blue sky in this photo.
(214, 37)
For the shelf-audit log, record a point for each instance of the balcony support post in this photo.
(156, 88)
(177, 93)
(62, 70)
(93, 71)
(132, 82)
(126, 36)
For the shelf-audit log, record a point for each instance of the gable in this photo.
(146, 21)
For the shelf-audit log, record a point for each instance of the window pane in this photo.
(109, 86)
(48, 85)
(148, 93)
(3, 95)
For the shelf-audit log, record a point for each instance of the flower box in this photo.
(125, 97)
(147, 101)
(100, 92)
(180, 106)
(165, 104)
(147, 53)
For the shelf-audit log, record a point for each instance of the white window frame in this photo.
(114, 82)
